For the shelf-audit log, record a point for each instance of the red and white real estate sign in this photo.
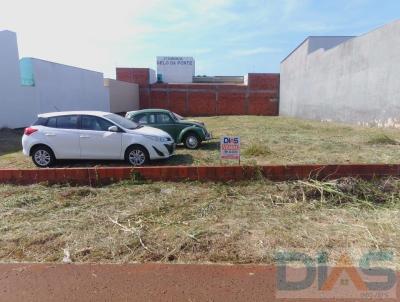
(230, 147)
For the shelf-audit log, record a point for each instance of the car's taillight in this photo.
(29, 131)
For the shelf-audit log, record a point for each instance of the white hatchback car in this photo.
(93, 135)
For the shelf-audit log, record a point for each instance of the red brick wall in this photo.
(139, 76)
(263, 81)
(232, 103)
(259, 97)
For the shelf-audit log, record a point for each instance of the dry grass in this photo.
(382, 139)
(255, 149)
(197, 222)
(265, 140)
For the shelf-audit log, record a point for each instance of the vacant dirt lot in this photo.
(197, 222)
(265, 140)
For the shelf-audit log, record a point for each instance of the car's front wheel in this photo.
(192, 141)
(137, 156)
(43, 157)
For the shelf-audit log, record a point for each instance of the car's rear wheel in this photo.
(137, 156)
(192, 141)
(43, 157)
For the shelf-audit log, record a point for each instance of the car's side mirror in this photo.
(113, 129)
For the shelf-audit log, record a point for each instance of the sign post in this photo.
(230, 147)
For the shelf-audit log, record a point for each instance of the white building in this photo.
(175, 69)
(345, 79)
(31, 86)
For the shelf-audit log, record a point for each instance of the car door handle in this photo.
(50, 134)
(84, 136)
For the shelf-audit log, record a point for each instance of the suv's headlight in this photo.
(158, 138)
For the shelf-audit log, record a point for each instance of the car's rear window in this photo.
(41, 121)
(63, 122)
(67, 122)
(52, 122)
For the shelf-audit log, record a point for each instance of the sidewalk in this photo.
(136, 282)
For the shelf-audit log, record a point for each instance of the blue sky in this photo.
(226, 37)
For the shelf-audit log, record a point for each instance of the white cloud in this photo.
(253, 51)
(292, 7)
(100, 35)
(202, 51)
(88, 34)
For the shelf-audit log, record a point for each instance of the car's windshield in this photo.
(121, 121)
(177, 116)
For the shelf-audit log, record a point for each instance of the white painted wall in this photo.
(61, 88)
(9, 60)
(16, 102)
(124, 96)
(152, 76)
(176, 69)
(356, 81)
(57, 87)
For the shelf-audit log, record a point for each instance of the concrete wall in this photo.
(356, 81)
(124, 96)
(152, 76)
(9, 61)
(16, 101)
(60, 88)
(56, 87)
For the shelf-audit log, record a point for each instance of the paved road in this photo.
(136, 282)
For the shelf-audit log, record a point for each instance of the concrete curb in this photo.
(105, 175)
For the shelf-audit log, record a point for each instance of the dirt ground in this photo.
(138, 282)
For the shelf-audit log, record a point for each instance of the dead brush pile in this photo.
(356, 192)
(243, 222)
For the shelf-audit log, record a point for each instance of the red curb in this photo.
(170, 173)
(192, 173)
(106, 175)
(229, 173)
(29, 176)
(152, 173)
(206, 173)
(61, 175)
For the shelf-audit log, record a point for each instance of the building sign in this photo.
(230, 147)
(175, 69)
(175, 61)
